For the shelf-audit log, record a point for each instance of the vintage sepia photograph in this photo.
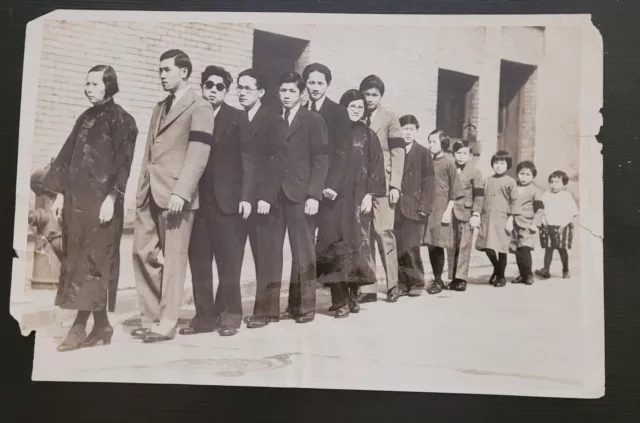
(362, 202)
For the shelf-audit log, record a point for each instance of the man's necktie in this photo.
(287, 113)
(169, 103)
(313, 106)
(368, 120)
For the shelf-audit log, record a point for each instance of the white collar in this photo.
(319, 103)
(253, 110)
(407, 147)
(216, 111)
(180, 93)
(293, 112)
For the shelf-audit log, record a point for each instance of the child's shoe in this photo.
(566, 274)
(528, 280)
(543, 273)
(500, 282)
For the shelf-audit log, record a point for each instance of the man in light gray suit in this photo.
(387, 127)
(176, 154)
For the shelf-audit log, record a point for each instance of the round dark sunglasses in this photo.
(219, 86)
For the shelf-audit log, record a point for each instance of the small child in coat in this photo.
(439, 233)
(500, 195)
(466, 215)
(556, 233)
(528, 213)
(416, 202)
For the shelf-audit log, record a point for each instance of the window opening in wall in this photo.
(457, 102)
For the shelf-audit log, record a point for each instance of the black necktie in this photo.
(287, 113)
(169, 103)
(368, 120)
(460, 166)
(313, 106)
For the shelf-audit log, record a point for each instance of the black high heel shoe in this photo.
(103, 334)
(74, 339)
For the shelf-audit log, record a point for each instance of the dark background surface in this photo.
(25, 401)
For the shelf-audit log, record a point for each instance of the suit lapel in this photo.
(187, 100)
(256, 123)
(297, 122)
(221, 122)
(411, 156)
(378, 119)
(155, 117)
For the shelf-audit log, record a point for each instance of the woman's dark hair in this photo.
(527, 165)
(502, 156)
(559, 174)
(180, 59)
(352, 95)
(409, 120)
(317, 67)
(255, 74)
(461, 144)
(109, 79)
(227, 79)
(372, 81)
(445, 141)
(294, 77)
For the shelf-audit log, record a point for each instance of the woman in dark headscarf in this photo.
(363, 181)
(90, 176)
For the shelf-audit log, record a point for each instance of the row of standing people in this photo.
(213, 176)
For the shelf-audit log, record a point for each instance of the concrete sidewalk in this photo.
(39, 312)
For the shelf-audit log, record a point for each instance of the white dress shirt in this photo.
(319, 103)
(251, 113)
(293, 112)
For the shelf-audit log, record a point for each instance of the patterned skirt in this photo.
(558, 237)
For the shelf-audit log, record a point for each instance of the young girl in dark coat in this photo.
(439, 233)
(500, 195)
(528, 211)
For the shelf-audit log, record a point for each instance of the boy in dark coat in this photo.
(415, 205)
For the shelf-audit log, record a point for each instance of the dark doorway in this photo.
(457, 102)
(515, 113)
(273, 55)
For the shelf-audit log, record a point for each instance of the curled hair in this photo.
(317, 67)
(559, 174)
(352, 95)
(527, 165)
(211, 70)
(109, 79)
(502, 156)
(180, 59)
(461, 144)
(294, 77)
(255, 74)
(372, 81)
(409, 120)
(445, 141)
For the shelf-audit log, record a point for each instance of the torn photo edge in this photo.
(591, 184)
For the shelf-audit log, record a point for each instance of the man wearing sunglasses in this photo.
(226, 192)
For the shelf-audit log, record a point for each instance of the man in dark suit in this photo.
(294, 209)
(330, 244)
(268, 136)
(226, 194)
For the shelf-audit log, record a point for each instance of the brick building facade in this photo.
(519, 86)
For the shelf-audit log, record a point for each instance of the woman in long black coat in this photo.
(364, 180)
(90, 176)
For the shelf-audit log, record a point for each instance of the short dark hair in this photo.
(372, 81)
(527, 165)
(409, 120)
(559, 174)
(317, 67)
(294, 77)
(211, 70)
(501, 156)
(109, 79)
(461, 144)
(445, 141)
(180, 58)
(255, 74)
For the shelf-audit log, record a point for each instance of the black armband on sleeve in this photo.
(203, 137)
(396, 143)
(478, 192)
(538, 205)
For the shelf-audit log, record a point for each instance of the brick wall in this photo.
(407, 59)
